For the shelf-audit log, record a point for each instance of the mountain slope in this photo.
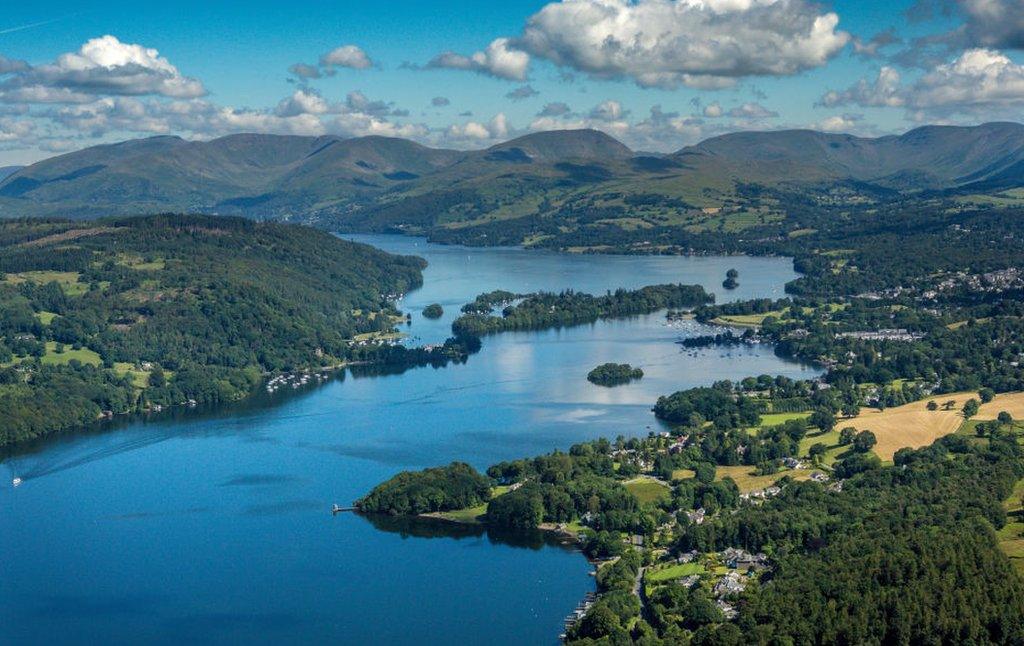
(557, 178)
(239, 174)
(930, 157)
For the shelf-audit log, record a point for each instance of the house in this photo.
(738, 559)
(688, 557)
(792, 463)
(729, 585)
(761, 494)
(727, 609)
(696, 516)
(818, 476)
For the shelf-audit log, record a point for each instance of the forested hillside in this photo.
(125, 314)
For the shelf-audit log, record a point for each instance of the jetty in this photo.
(581, 610)
(337, 509)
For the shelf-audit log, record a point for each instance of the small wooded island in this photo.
(730, 281)
(614, 374)
(433, 311)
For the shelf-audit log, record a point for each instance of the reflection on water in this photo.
(418, 527)
(214, 526)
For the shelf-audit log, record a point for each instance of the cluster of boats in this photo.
(294, 380)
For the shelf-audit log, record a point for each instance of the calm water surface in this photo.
(214, 527)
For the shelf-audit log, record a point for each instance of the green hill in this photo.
(122, 314)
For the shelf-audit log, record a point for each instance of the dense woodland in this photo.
(125, 314)
(614, 374)
(455, 486)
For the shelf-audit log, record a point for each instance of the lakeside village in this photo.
(635, 507)
(721, 575)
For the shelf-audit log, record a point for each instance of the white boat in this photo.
(16, 482)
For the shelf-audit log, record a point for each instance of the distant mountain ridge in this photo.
(929, 157)
(381, 183)
(9, 170)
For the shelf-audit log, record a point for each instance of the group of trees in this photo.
(718, 404)
(544, 310)
(614, 374)
(455, 486)
(433, 311)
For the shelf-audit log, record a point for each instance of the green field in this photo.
(68, 280)
(469, 514)
(830, 439)
(646, 489)
(674, 572)
(45, 317)
(1011, 536)
(744, 320)
(683, 474)
(747, 481)
(140, 378)
(776, 419)
(85, 355)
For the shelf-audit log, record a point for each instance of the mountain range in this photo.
(380, 183)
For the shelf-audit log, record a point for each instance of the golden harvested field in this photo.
(747, 481)
(911, 425)
(915, 426)
(1012, 403)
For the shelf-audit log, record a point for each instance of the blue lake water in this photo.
(214, 527)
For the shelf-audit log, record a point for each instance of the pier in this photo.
(578, 614)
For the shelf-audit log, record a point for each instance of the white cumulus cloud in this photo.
(699, 43)
(982, 83)
(102, 66)
(498, 60)
(351, 56)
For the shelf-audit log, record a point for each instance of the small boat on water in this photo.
(16, 482)
(336, 509)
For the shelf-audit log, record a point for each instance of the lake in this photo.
(214, 526)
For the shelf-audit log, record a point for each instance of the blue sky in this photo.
(703, 66)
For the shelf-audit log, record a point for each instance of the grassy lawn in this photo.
(683, 474)
(380, 336)
(777, 419)
(469, 514)
(85, 355)
(830, 439)
(674, 572)
(68, 280)
(646, 489)
(140, 378)
(1011, 537)
(744, 320)
(45, 317)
